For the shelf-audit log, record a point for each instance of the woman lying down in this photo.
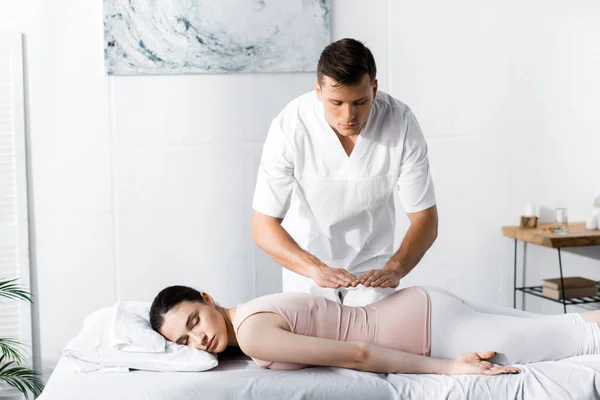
(418, 330)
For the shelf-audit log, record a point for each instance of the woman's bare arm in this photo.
(263, 336)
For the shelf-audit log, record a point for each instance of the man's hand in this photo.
(380, 278)
(475, 364)
(335, 278)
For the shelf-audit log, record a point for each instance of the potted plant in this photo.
(12, 370)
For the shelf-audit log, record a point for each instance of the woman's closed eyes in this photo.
(193, 320)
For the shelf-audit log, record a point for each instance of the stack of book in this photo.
(575, 286)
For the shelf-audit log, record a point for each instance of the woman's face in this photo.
(196, 325)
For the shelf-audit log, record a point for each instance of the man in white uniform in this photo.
(324, 204)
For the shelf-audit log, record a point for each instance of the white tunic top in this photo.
(337, 207)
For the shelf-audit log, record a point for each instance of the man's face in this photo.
(347, 108)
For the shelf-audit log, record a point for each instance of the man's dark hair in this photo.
(346, 61)
(169, 298)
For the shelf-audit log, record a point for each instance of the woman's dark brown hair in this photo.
(167, 299)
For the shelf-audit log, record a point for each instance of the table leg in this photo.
(562, 282)
(515, 278)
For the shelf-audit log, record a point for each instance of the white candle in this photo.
(529, 210)
(592, 221)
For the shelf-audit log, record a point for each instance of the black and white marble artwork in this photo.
(143, 37)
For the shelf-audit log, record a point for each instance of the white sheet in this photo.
(240, 378)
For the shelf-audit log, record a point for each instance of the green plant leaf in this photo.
(22, 379)
(11, 290)
(10, 349)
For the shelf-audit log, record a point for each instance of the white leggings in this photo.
(518, 337)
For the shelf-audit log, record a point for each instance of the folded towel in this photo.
(131, 330)
(84, 367)
(93, 350)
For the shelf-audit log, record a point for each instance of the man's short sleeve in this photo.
(275, 181)
(415, 184)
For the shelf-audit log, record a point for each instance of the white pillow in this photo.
(130, 328)
(93, 345)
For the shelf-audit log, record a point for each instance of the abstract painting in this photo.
(144, 37)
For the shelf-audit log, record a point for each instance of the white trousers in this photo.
(518, 337)
(358, 296)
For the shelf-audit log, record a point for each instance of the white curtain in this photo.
(15, 316)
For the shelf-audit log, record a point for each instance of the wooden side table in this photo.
(578, 236)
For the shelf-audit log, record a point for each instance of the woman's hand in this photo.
(475, 364)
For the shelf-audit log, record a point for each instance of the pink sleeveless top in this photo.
(399, 321)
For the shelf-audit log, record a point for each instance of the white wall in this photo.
(141, 182)
(506, 93)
